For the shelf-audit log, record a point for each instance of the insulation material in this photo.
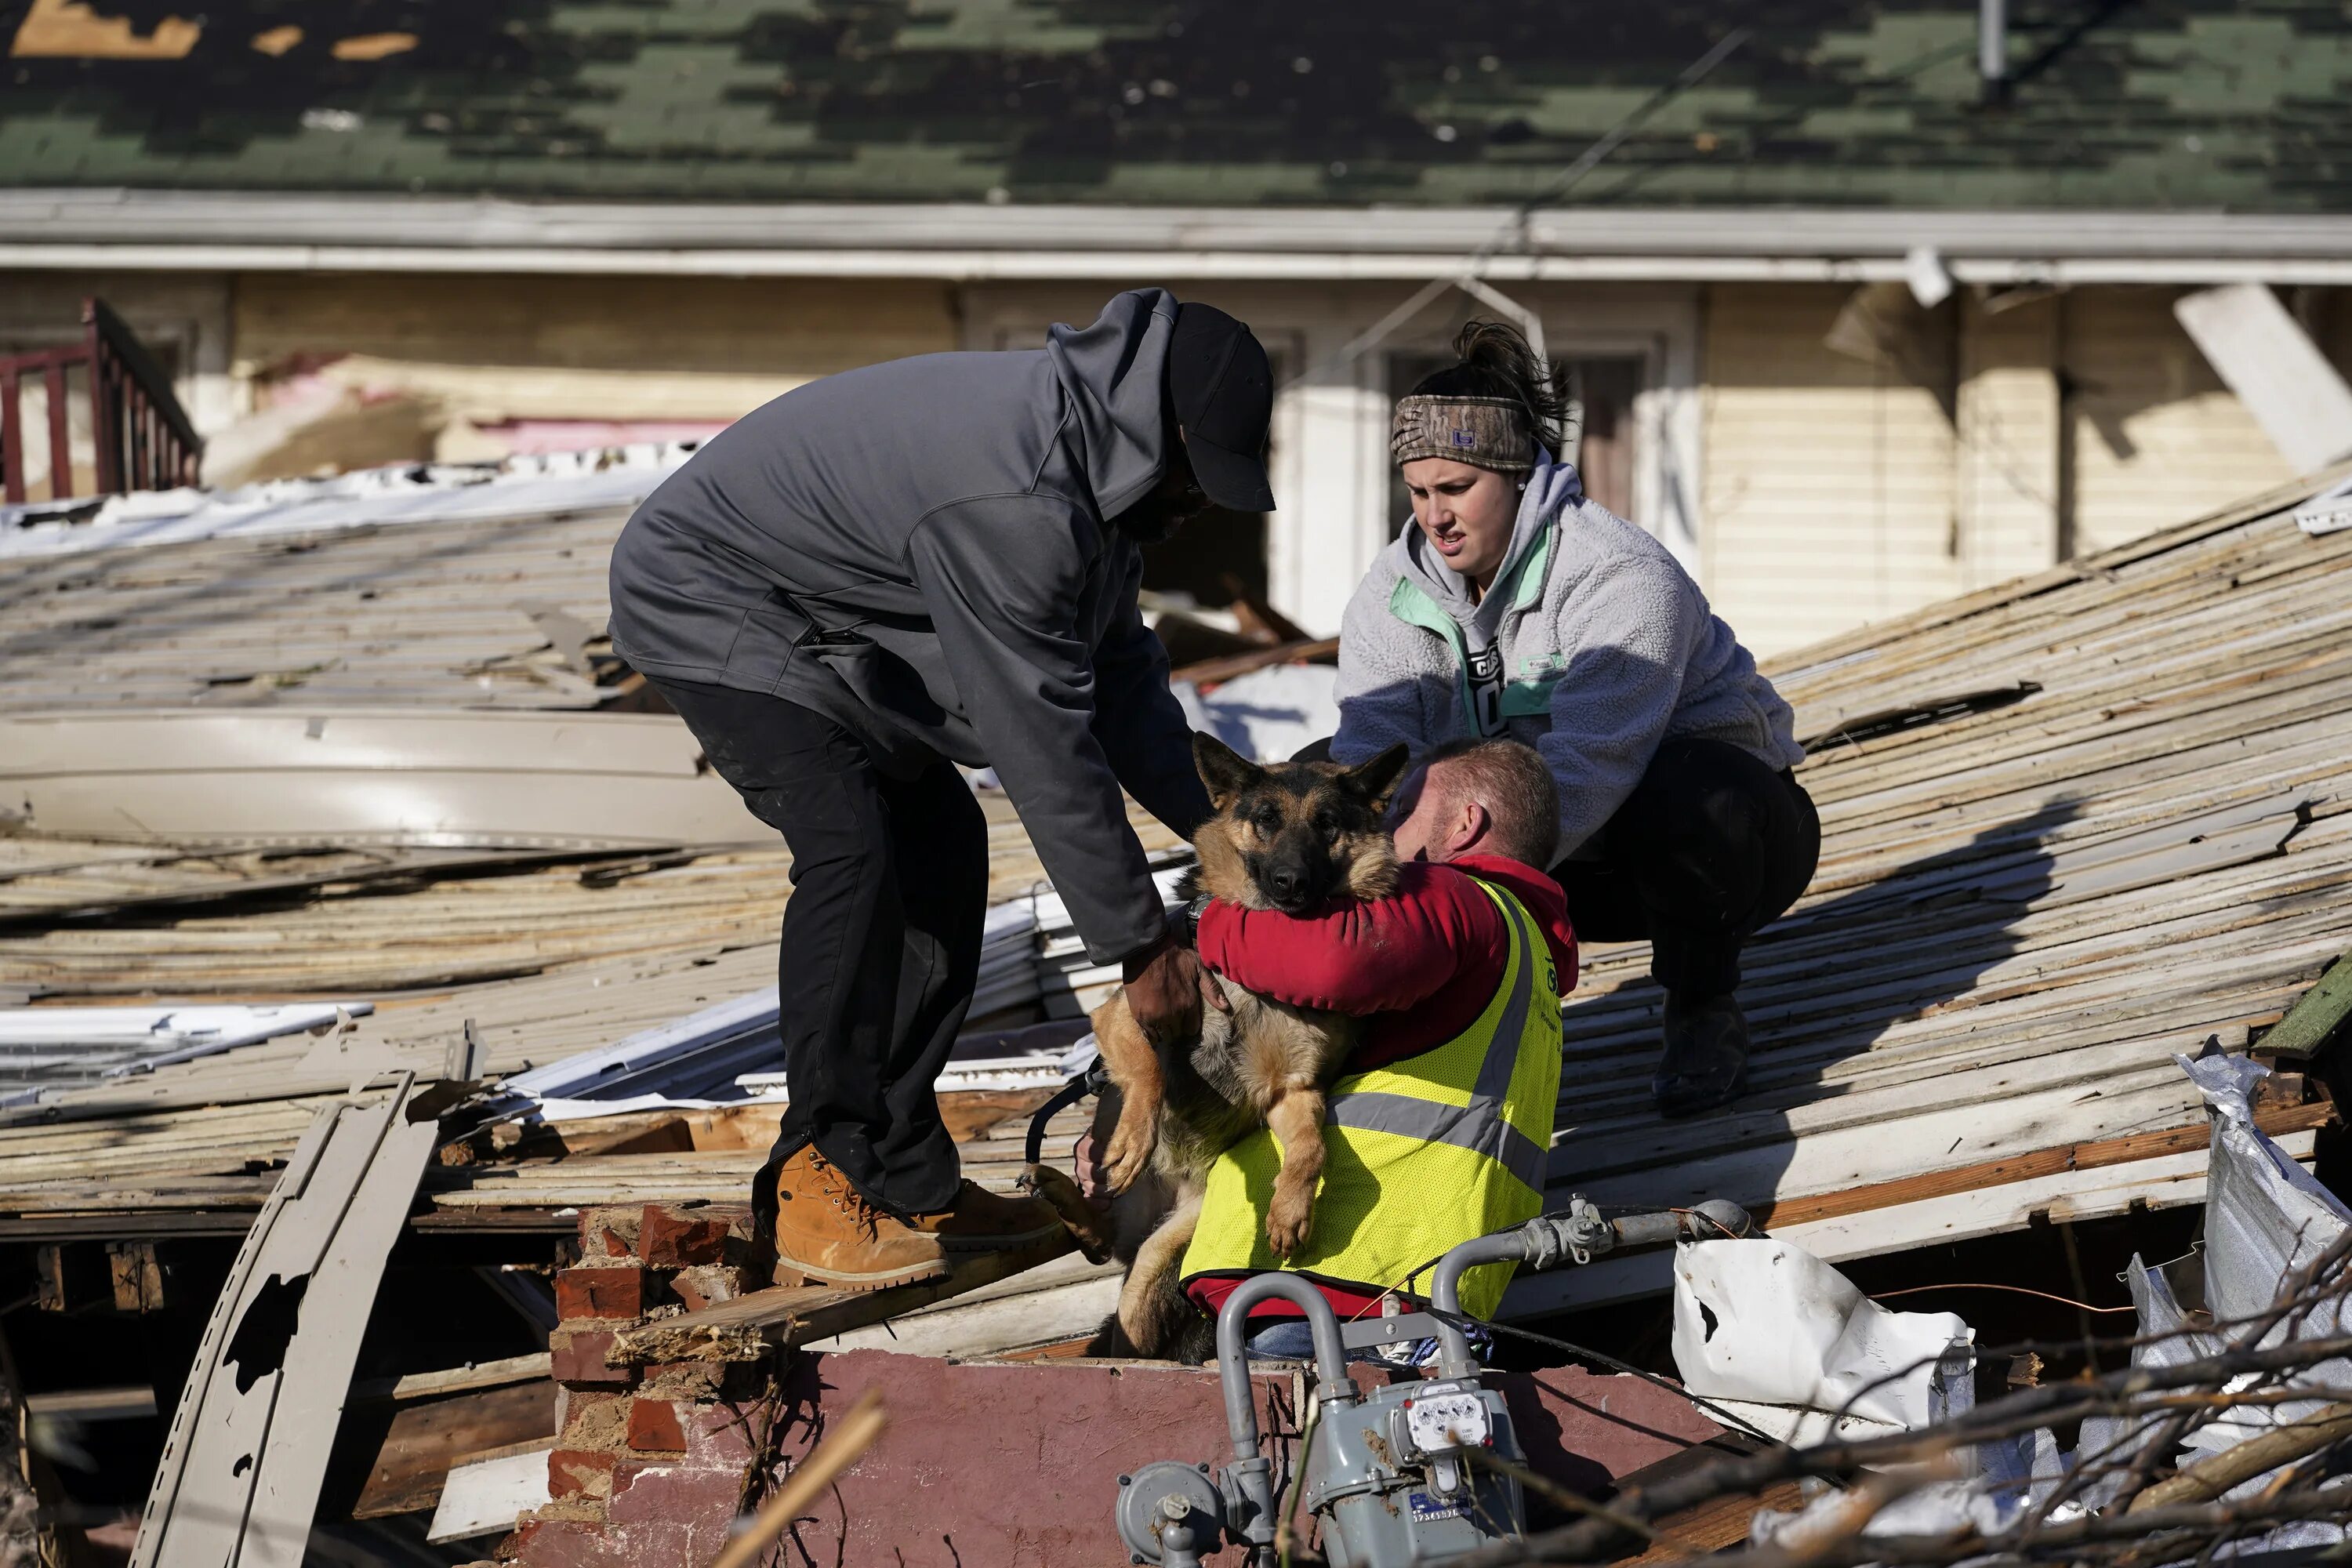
(1766, 1322)
(401, 493)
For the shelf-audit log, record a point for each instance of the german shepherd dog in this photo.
(1287, 837)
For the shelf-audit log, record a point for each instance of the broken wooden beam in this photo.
(533, 1368)
(2315, 1015)
(422, 1442)
(1208, 670)
(750, 1327)
(2276, 1121)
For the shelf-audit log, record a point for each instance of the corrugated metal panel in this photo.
(440, 778)
(1829, 490)
(361, 937)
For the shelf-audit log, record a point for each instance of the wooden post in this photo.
(105, 404)
(12, 437)
(53, 380)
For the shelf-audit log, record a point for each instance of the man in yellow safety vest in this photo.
(1439, 1129)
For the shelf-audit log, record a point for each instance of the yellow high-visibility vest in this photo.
(1419, 1155)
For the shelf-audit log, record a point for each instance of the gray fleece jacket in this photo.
(1593, 646)
(922, 551)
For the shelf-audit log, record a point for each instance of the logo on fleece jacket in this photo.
(1485, 668)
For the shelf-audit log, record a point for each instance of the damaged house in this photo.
(390, 1042)
(1911, 299)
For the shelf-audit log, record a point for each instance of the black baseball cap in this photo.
(1223, 389)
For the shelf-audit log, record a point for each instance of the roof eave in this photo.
(250, 231)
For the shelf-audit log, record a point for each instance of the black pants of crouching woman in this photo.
(1711, 845)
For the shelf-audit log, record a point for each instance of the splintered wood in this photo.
(748, 1328)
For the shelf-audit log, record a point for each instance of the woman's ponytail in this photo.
(1494, 359)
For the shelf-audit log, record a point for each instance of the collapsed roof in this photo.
(2072, 825)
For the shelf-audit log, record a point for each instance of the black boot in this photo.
(1706, 1061)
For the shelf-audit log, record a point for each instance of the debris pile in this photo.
(2225, 1431)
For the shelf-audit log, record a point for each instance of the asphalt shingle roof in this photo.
(2199, 104)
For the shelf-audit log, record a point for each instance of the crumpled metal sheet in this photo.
(2265, 1218)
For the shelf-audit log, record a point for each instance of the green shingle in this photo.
(2181, 103)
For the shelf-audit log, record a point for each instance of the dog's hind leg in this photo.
(1134, 1066)
(1296, 1116)
(1152, 1309)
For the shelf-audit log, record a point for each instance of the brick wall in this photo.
(651, 1463)
(978, 1463)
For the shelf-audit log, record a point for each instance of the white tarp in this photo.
(1766, 1322)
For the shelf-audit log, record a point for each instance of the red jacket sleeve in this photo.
(1358, 957)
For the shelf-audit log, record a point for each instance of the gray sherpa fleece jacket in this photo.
(1593, 646)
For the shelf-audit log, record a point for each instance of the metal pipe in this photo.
(1233, 1355)
(1992, 42)
(1252, 1472)
(1455, 1358)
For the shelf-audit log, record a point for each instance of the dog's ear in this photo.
(1225, 770)
(1374, 781)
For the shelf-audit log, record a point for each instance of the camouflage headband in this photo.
(1488, 432)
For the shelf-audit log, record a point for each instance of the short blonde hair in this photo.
(1514, 785)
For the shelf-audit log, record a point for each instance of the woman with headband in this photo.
(1513, 607)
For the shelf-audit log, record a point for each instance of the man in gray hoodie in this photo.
(899, 568)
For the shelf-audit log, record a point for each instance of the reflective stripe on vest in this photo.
(1420, 1155)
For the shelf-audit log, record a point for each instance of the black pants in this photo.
(881, 936)
(1711, 845)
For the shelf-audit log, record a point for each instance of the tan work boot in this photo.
(827, 1231)
(982, 1221)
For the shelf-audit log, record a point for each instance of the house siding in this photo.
(2156, 437)
(1839, 490)
(491, 348)
(1829, 494)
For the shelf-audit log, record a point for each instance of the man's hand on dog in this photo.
(1166, 988)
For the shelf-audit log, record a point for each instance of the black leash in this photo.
(1091, 1082)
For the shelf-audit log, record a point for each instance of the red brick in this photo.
(578, 1357)
(707, 1284)
(593, 1420)
(576, 1472)
(603, 1293)
(674, 1236)
(654, 1427)
(609, 1233)
(723, 1435)
(695, 1381)
(568, 1544)
(674, 1494)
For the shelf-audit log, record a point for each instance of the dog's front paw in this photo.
(1128, 1152)
(1288, 1222)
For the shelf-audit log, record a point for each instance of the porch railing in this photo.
(142, 438)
